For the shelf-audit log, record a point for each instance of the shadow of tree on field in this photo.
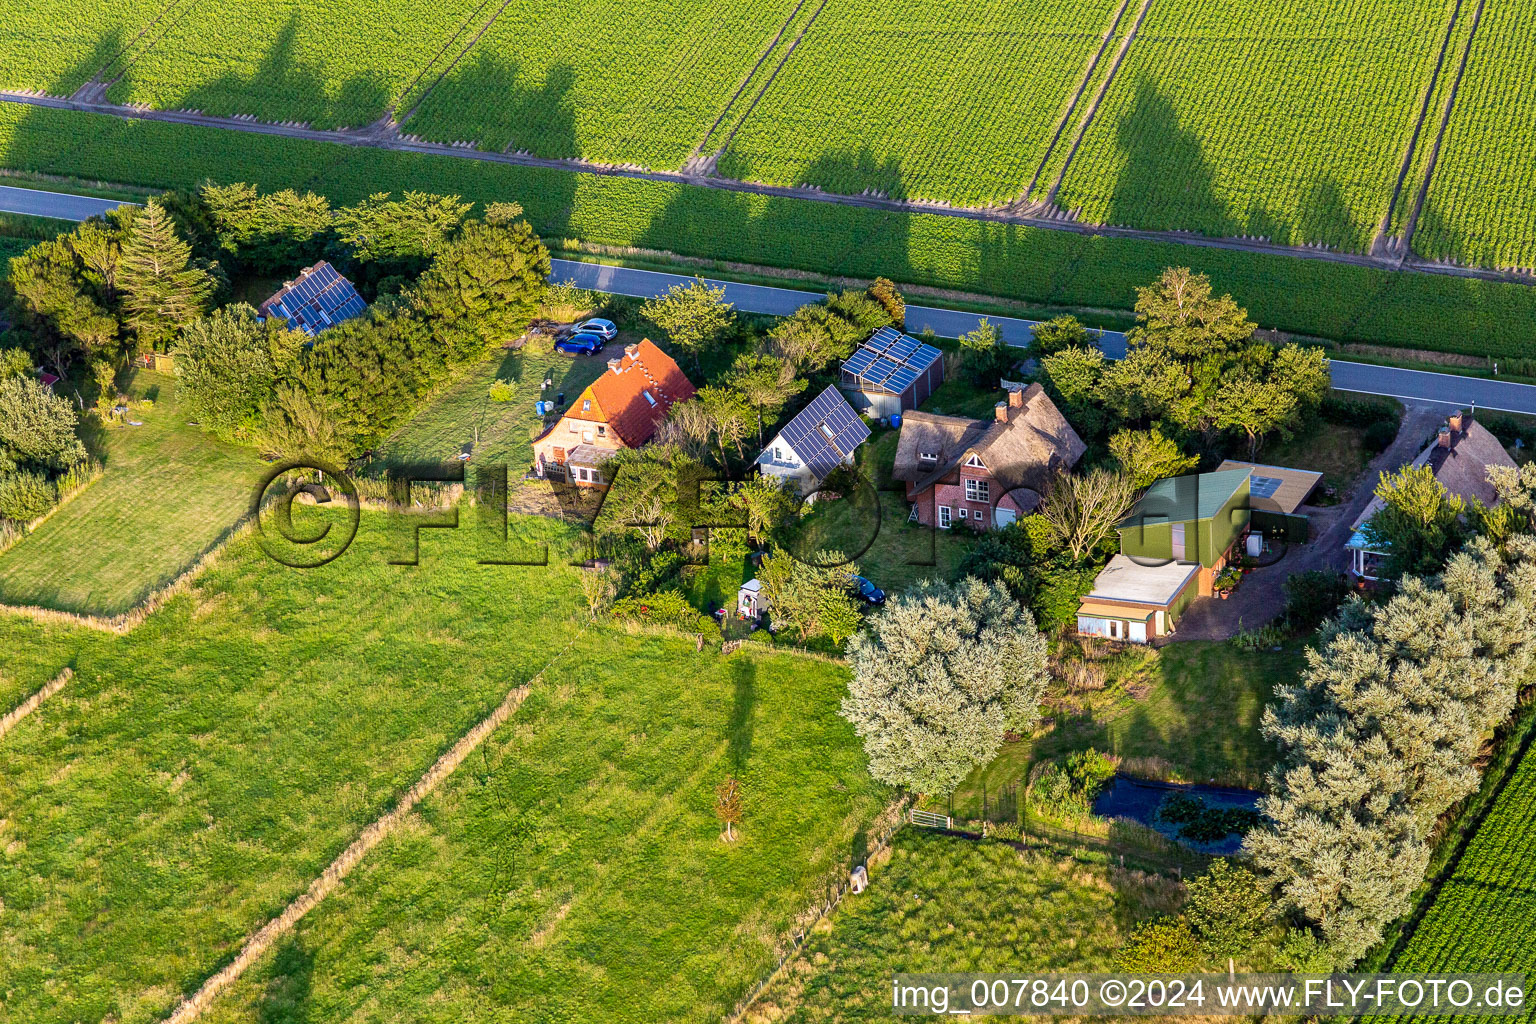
(489, 100)
(1165, 181)
(286, 997)
(743, 711)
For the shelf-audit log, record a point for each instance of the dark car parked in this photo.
(580, 344)
(868, 591)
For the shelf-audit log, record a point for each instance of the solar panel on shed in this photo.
(317, 299)
(891, 361)
(1264, 486)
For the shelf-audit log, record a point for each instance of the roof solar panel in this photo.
(859, 361)
(1264, 486)
(891, 361)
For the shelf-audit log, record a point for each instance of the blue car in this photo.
(605, 329)
(868, 591)
(582, 344)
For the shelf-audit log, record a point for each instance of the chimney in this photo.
(1445, 436)
(1454, 422)
(613, 364)
(1002, 412)
(1016, 398)
(633, 351)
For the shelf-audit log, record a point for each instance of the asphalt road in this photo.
(59, 205)
(1408, 385)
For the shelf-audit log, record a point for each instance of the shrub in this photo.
(24, 496)
(1162, 946)
(1228, 909)
(1312, 596)
(1004, 830)
(1358, 412)
(1379, 436)
(666, 606)
(503, 391)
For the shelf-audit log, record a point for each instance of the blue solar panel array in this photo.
(1263, 486)
(805, 433)
(890, 361)
(317, 300)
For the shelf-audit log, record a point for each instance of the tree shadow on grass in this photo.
(286, 999)
(743, 711)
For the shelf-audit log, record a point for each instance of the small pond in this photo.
(1197, 816)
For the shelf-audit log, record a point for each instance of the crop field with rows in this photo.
(1283, 119)
(1481, 919)
(1335, 300)
(1481, 207)
(921, 100)
(55, 46)
(607, 80)
(332, 63)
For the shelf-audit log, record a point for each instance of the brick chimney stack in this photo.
(1016, 398)
(1002, 412)
(1445, 436)
(1455, 422)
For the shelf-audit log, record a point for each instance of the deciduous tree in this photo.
(695, 316)
(1148, 456)
(944, 671)
(1084, 510)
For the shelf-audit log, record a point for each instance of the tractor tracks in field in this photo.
(701, 164)
(14, 717)
(1406, 241)
(391, 117)
(1023, 202)
(373, 137)
(110, 73)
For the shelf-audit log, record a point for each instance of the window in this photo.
(944, 512)
(648, 397)
(828, 433)
(928, 456)
(778, 454)
(571, 426)
(586, 405)
(976, 490)
(964, 512)
(1114, 629)
(586, 436)
(1178, 542)
(602, 431)
(974, 461)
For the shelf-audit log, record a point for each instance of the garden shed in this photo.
(891, 374)
(750, 600)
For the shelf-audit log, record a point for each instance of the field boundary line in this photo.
(772, 77)
(370, 138)
(451, 65)
(1076, 98)
(372, 835)
(14, 716)
(745, 81)
(125, 622)
(1098, 98)
(891, 821)
(1383, 231)
(1445, 120)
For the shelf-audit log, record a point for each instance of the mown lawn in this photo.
(201, 770)
(871, 527)
(1187, 712)
(169, 492)
(946, 904)
(31, 654)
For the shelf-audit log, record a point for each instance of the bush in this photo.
(1379, 435)
(1007, 831)
(1228, 909)
(1359, 412)
(1312, 596)
(503, 391)
(1059, 589)
(24, 496)
(1509, 430)
(1164, 946)
(667, 606)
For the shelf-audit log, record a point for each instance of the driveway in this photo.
(1261, 596)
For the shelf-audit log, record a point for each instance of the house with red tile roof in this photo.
(621, 409)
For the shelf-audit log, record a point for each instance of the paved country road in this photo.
(59, 205)
(1407, 385)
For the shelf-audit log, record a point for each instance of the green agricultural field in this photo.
(1481, 207)
(331, 63)
(1480, 919)
(1277, 119)
(607, 80)
(201, 770)
(56, 46)
(1341, 301)
(918, 99)
(942, 904)
(168, 494)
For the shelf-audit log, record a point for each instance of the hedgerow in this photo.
(1334, 300)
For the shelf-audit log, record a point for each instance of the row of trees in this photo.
(1382, 734)
(1193, 376)
(336, 395)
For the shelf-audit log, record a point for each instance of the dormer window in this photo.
(649, 399)
(928, 456)
(586, 405)
(974, 462)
